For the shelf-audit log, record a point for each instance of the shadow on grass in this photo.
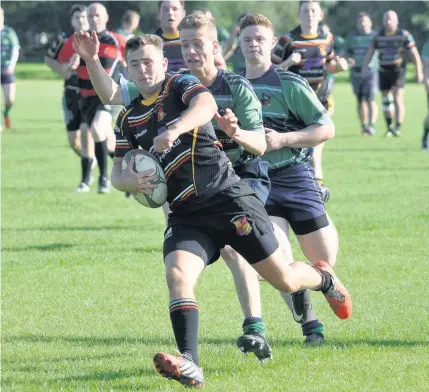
(48, 247)
(362, 342)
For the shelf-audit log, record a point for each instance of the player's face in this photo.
(171, 14)
(97, 18)
(390, 21)
(364, 25)
(310, 14)
(198, 49)
(256, 44)
(79, 21)
(146, 67)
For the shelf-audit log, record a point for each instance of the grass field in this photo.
(85, 304)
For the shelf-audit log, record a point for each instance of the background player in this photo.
(364, 87)
(65, 66)
(216, 209)
(308, 51)
(392, 44)
(129, 24)
(425, 58)
(9, 58)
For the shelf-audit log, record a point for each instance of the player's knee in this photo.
(177, 278)
(74, 139)
(9, 101)
(388, 103)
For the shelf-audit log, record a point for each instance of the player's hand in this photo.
(74, 62)
(10, 69)
(295, 58)
(342, 64)
(228, 122)
(165, 140)
(137, 182)
(274, 140)
(351, 61)
(86, 45)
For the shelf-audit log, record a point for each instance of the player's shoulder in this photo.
(287, 77)
(234, 79)
(405, 33)
(177, 78)
(295, 33)
(8, 30)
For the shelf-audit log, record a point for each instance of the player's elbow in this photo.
(261, 147)
(328, 132)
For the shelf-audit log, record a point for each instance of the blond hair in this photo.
(198, 21)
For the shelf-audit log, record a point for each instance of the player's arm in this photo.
(63, 70)
(334, 63)
(15, 52)
(305, 106)
(231, 44)
(289, 57)
(415, 58)
(425, 61)
(201, 109)
(248, 112)
(368, 57)
(277, 52)
(87, 46)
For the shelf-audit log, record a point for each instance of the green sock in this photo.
(6, 110)
(254, 325)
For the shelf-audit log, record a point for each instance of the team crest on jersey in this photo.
(161, 114)
(265, 99)
(242, 226)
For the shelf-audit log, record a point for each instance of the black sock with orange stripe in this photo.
(184, 319)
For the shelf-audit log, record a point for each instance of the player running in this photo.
(392, 44)
(364, 87)
(65, 65)
(295, 122)
(9, 58)
(211, 207)
(308, 51)
(425, 58)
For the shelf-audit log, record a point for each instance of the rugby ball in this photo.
(144, 161)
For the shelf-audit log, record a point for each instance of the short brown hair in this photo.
(197, 21)
(76, 8)
(138, 41)
(182, 3)
(362, 14)
(255, 20)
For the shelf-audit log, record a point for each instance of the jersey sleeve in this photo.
(277, 52)
(247, 107)
(54, 49)
(187, 87)
(14, 39)
(302, 101)
(129, 90)
(125, 141)
(409, 40)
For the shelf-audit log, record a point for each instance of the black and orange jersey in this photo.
(316, 51)
(58, 52)
(111, 58)
(391, 47)
(195, 166)
(172, 51)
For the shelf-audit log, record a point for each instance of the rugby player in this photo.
(393, 44)
(425, 58)
(295, 122)
(210, 206)
(9, 58)
(364, 87)
(308, 51)
(130, 23)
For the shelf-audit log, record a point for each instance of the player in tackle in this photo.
(210, 206)
(242, 143)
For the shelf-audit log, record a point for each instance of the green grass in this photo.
(85, 304)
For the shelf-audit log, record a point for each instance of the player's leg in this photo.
(101, 125)
(295, 195)
(254, 239)
(74, 139)
(425, 138)
(87, 158)
(370, 91)
(9, 91)
(186, 252)
(73, 119)
(386, 84)
(398, 96)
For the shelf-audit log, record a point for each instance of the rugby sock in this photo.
(7, 110)
(312, 327)
(101, 155)
(388, 121)
(184, 319)
(254, 325)
(398, 126)
(86, 169)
